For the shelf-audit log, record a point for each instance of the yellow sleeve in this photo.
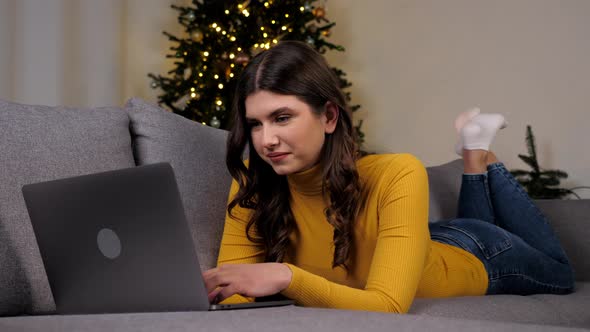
(400, 253)
(235, 247)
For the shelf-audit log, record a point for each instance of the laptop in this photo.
(118, 241)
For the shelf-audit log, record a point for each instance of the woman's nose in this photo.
(270, 138)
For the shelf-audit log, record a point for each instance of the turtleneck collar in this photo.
(308, 182)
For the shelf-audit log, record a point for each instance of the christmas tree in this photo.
(220, 37)
(539, 183)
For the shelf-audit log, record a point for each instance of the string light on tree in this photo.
(215, 123)
(220, 38)
(197, 36)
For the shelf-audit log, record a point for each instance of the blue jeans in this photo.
(499, 224)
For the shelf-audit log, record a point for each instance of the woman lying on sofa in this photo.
(310, 219)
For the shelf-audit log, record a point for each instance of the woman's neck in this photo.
(308, 182)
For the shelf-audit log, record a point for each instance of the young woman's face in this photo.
(286, 132)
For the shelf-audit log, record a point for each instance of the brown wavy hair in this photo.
(293, 68)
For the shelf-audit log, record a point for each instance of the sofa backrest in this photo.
(197, 155)
(40, 143)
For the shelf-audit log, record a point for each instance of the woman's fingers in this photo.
(246, 279)
(221, 277)
(225, 292)
(212, 279)
(213, 295)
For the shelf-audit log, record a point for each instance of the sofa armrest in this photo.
(571, 221)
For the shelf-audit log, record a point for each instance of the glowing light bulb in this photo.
(200, 74)
(231, 56)
(219, 102)
(193, 89)
(214, 25)
(239, 49)
(283, 28)
(232, 38)
(206, 53)
(216, 76)
(265, 35)
(287, 15)
(218, 29)
(193, 95)
(227, 12)
(301, 8)
(220, 86)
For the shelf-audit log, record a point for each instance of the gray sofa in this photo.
(41, 143)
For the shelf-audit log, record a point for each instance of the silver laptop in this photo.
(119, 241)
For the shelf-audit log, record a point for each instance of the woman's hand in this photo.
(250, 280)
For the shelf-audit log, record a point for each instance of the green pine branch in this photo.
(539, 183)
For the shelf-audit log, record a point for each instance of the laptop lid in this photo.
(116, 241)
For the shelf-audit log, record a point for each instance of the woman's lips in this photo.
(276, 157)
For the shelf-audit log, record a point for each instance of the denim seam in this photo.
(483, 177)
(451, 239)
(489, 199)
(474, 177)
(481, 246)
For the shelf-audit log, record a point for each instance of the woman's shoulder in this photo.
(382, 171)
(390, 162)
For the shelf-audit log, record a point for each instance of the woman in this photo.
(311, 220)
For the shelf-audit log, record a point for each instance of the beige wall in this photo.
(82, 52)
(414, 64)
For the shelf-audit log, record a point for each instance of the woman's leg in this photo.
(524, 255)
(474, 198)
(490, 193)
(513, 266)
(517, 213)
(476, 132)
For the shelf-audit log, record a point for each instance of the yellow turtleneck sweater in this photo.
(394, 259)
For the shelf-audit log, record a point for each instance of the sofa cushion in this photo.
(564, 310)
(40, 143)
(444, 183)
(197, 155)
(571, 222)
(284, 319)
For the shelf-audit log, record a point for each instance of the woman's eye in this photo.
(282, 118)
(253, 124)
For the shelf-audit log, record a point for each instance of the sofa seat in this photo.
(284, 319)
(570, 310)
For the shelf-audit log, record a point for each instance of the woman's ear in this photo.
(331, 114)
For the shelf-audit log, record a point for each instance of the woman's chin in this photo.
(281, 169)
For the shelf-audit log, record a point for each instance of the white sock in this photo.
(460, 122)
(479, 133)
